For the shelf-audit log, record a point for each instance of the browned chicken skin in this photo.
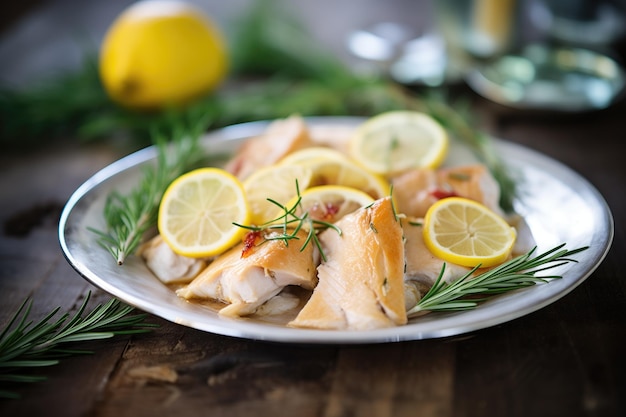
(280, 138)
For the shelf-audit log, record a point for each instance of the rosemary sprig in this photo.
(467, 292)
(129, 216)
(24, 345)
(290, 223)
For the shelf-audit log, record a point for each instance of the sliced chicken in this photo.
(422, 267)
(282, 303)
(279, 139)
(332, 136)
(416, 190)
(168, 266)
(251, 273)
(361, 282)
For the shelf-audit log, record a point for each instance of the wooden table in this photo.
(566, 359)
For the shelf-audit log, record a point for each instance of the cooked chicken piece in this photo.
(422, 267)
(254, 271)
(279, 304)
(361, 282)
(472, 181)
(279, 139)
(413, 191)
(332, 136)
(168, 266)
(416, 190)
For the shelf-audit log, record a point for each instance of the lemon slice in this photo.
(467, 233)
(275, 182)
(396, 141)
(198, 210)
(330, 203)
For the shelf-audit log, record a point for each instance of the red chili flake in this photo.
(249, 241)
(441, 194)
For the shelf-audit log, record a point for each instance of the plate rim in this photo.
(243, 328)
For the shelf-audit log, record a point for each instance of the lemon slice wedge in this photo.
(329, 203)
(396, 141)
(277, 183)
(198, 212)
(467, 233)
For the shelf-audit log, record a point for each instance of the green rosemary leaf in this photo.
(25, 306)
(454, 306)
(20, 378)
(9, 394)
(86, 336)
(33, 363)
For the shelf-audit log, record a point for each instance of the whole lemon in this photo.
(160, 53)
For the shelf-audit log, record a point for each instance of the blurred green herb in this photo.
(73, 104)
(277, 70)
(27, 345)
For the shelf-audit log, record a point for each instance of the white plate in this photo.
(559, 205)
